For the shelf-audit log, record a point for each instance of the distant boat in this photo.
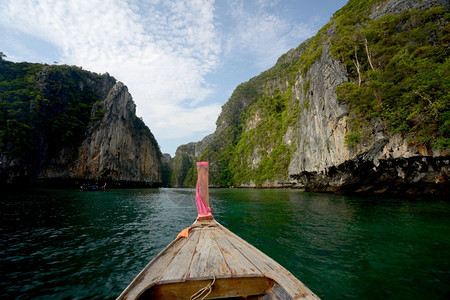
(208, 261)
(92, 187)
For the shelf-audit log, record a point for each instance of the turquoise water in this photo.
(58, 244)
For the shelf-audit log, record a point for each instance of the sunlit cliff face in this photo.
(116, 148)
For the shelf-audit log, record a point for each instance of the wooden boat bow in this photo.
(211, 252)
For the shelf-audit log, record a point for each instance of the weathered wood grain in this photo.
(223, 288)
(238, 264)
(268, 266)
(178, 268)
(154, 269)
(212, 251)
(208, 260)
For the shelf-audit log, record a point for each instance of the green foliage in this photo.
(351, 139)
(234, 146)
(272, 112)
(398, 67)
(306, 104)
(16, 113)
(225, 174)
(43, 103)
(140, 129)
(404, 65)
(98, 111)
(183, 170)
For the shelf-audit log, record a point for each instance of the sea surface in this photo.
(66, 244)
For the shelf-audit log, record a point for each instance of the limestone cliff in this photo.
(84, 129)
(384, 162)
(328, 117)
(181, 173)
(118, 148)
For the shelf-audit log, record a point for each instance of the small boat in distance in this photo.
(208, 261)
(92, 187)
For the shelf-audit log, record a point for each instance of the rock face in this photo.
(321, 126)
(307, 148)
(385, 163)
(117, 147)
(398, 6)
(417, 175)
(181, 172)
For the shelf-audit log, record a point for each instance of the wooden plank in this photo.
(277, 292)
(222, 288)
(154, 269)
(179, 266)
(212, 250)
(238, 264)
(269, 267)
(208, 260)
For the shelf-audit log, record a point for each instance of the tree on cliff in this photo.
(396, 69)
(42, 102)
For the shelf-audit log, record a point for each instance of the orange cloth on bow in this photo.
(184, 233)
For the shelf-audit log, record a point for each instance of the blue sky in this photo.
(180, 60)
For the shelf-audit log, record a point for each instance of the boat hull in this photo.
(215, 260)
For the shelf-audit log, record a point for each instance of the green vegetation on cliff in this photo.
(40, 102)
(64, 124)
(182, 165)
(257, 126)
(400, 68)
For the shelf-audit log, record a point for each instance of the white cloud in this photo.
(261, 32)
(182, 120)
(166, 52)
(161, 50)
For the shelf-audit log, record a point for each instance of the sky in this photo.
(181, 60)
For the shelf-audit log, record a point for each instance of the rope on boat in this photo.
(200, 295)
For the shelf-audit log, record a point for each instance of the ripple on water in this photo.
(67, 244)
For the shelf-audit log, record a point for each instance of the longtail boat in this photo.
(208, 261)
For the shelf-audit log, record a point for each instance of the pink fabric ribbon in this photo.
(203, 210)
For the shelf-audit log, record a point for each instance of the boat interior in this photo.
(250, 288)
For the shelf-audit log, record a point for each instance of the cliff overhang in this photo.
(419, 175)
